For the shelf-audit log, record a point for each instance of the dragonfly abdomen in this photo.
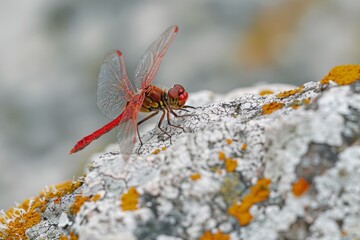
(155, 99)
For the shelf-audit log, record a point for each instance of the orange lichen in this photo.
(306, 101)
(61, 189)
(79, 201)
(221, 156)
(57, 200)
(288, 93)
(258, 193)
(243, 147)
(228, 141)
(156, 151)
(195, 176)
(217, 236)
(28, 213)
(300, 187)
(271, 107)
(63, 237)
(343, 75)
(230, 164)
(265, 92)
(96, 197)
(130, 200)
(163, 148)
(73, 236)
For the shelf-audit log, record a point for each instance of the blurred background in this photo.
(51, 53)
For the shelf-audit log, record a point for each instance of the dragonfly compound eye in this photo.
(173, 92)
(183, 96)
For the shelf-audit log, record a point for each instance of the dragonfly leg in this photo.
(169, 123)
(187, 106)
(176, 115)
(159, 125)
(137, 128)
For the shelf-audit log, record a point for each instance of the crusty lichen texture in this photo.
(15, 221)
(343, 75)
(257, 167)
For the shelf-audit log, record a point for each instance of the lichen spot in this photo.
(258, 193)
(156, 151)
(265, 92)
(230, 164)
(214, 236)
(306, 101)
(96, 197)
(228, 141)
(300, 187)
(221, 156)
(286, 94)
(271, 107)
(73, 236)
(243, 147)
(63, 237)
(195, 176)
(343, 75)
(79, 201)
(130, 200)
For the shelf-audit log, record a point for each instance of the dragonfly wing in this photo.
(127, 127)
(150, 61)
(114, 86)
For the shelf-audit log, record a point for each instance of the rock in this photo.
(277, 166)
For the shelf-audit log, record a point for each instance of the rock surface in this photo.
(277, 166)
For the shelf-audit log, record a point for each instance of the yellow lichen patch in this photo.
(195, 176)
(79, 201)
(258, 193)
(243, 147)
(221, 156)
(163, 148)
(28, 213)
(286, 94)
(217, 236)
(228, 141)
(230, 164)
(343, 75)
(96, 197)
(57, 200)
(306, 101)
(73, 236)
(130, 200)
(271, 107)
(300, 187)
(63, 237)
(61, 189)
(156, 151)
(265, 92)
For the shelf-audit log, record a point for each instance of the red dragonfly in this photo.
(121, 100)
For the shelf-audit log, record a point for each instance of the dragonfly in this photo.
(121, 100)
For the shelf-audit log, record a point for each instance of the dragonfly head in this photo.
(177, 96)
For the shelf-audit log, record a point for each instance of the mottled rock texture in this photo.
(277, 166)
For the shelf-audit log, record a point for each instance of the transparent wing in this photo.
(127, 128)
(114, 86)
(150, 61)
